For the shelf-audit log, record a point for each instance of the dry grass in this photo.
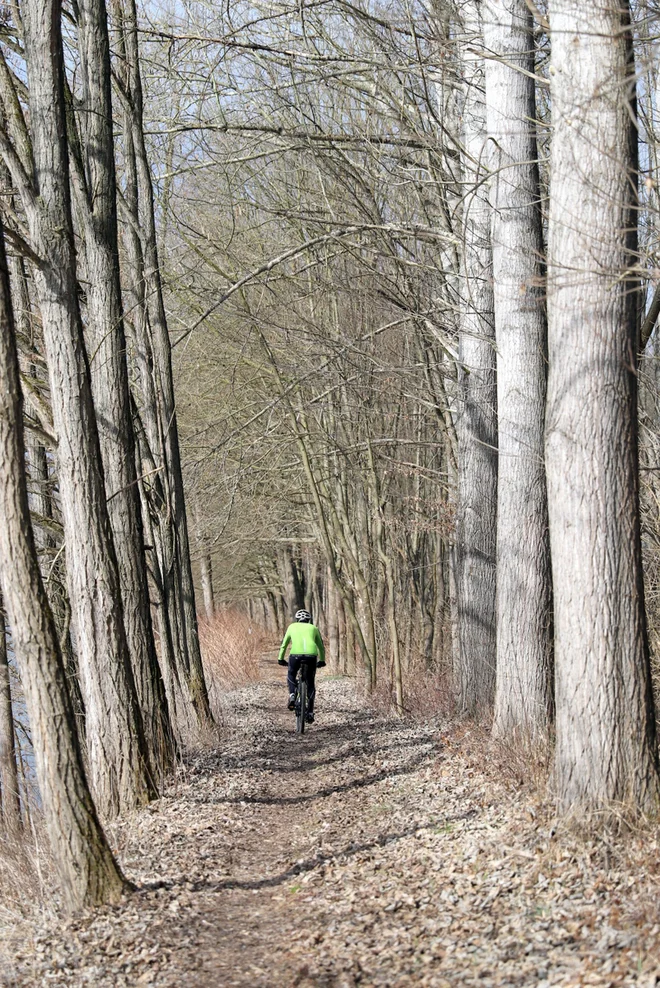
(232, 646)
(28, 891)
(427, 694)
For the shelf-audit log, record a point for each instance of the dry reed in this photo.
(232, 646)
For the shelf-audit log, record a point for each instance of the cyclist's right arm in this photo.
(319, 644)
(285, 644)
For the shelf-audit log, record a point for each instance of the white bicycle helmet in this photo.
(303, 617)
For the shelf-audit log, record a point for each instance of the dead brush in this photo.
(522, 760)
(232, 646)
(427, 694)
(28, 891)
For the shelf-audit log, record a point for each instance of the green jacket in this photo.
(304, 639)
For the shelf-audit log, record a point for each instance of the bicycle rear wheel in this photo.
(301, 708)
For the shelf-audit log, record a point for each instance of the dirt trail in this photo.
(369, 852)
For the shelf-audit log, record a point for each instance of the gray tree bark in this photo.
(182, 712)
(118, 757)
(161, 427)
(205, 564)
(95, 183)
(84, 861)
(10, 798)
(476, 424)
(206, 577)
(606, 745)
(334, 625)
(523, 694)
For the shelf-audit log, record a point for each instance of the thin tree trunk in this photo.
(394, 636)
(205, 565)
(9, 791)
(95, 183)
(206, 577)
(160, 370)
(349, 625)
(182, 714)
(40, 494)
(334, 625)
(118, 757)
(606, 744)
(84, 861)
(476, 425)
(524, 650)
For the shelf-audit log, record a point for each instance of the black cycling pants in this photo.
(295, 661)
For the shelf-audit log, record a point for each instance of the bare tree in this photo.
(94, 181)
(10, 799)
(524, 685)
(118, 757)
(477, 397)
(606, 744)
(161, 426)
(86, 867)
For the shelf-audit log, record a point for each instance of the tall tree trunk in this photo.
(293, 578)
(205, 564)
(95, 182)
(84, 861)
(524, 650)
(349, 665)
(10, 798)
(166, 439)
(40, 497)
(606, 744)
(118, 757)
(476, 424)
(206, 577)
(150, 484)
(334, 625)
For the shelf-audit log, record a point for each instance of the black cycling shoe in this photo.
(292, 702)
(310, 718)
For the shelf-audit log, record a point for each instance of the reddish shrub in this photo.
(232, 646)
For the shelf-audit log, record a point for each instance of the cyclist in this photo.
(306, 643)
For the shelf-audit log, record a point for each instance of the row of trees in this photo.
(400, 262)
(92, 510)
(449, 255)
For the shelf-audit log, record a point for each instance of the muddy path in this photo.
(368, 852)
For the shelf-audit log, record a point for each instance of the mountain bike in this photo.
(302, 695)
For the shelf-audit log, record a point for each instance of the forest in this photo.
(340, 304)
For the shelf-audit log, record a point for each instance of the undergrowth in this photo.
(232, 646)
(28, 891)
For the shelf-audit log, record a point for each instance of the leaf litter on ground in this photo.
(371, 851)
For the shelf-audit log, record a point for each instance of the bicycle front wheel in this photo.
(301, 710)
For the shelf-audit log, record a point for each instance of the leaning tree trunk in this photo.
(166, 439)
(95, 182)
(40, 498)
(84, 861)
(524, 686)
(606, 746)
(476, 424)
(10, 798)
(118, 757)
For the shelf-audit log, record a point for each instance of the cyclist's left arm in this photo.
(285, 644)
(319, 645)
